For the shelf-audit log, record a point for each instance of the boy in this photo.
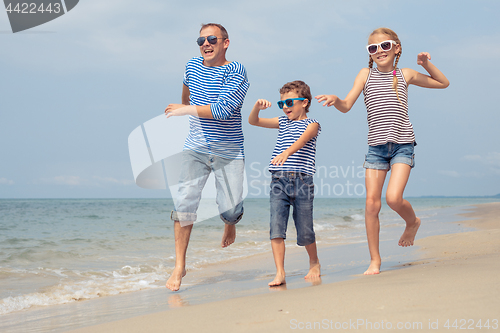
(292, 167)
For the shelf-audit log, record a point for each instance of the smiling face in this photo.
(213, 54)
(298, 110)
(384, 59)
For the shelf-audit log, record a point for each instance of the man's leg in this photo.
(182, 235)
(229, 175)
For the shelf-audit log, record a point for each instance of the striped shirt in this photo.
(224, 88)
(304, 159)
(388, 119)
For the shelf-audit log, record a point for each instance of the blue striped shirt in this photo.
(224, 88)
(304, 159)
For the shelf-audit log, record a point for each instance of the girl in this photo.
(391, 139)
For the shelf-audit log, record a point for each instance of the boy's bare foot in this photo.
(229, 235)
(314, 271)
(409, 234)
(175, 279)
(279, 279)
(374, 268)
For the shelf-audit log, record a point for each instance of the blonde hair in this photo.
(394, 37)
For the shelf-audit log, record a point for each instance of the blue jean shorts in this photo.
(196, 168)
(292, 189)
(382, 157)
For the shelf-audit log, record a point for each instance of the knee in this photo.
(394, 201)
(373, 206)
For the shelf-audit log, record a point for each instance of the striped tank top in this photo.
(387, 117)
(304, 159)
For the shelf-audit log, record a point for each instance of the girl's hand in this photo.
(422, 58)
(280, 159)
(329, 99)
(262, 104)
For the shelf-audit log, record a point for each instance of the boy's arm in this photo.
(346, 104)
(436, 79)
(310, 132)
(255, 120)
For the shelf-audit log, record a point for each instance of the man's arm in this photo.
(202, 111)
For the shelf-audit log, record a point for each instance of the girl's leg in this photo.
(278, 246)
(399, 177)
(374, 181)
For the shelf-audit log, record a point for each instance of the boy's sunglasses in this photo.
(385, 46)
(211, 39)
(288, 102)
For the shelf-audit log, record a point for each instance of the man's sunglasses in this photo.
(288, 102)
(211, 39)
(385, 46)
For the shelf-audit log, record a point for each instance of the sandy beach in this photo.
(453, 285)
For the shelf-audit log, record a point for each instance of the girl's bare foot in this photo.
(409, 234)
(175, 279)
(374, 268)
(279, 279)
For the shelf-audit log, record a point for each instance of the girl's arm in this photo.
(346, 104)
(436, 79)
(310, 132)
(254, 119)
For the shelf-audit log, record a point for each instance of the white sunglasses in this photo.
(386, 45)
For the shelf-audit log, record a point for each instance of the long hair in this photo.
(394, 37)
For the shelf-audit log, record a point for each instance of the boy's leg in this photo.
(314, 266)
(182, 235)
(374, 182)
(400, 173)
(303, 218)
(278, 246)
(279, 201)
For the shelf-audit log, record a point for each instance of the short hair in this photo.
(223, 30)
(301, 88)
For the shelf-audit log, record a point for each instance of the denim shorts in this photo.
(196, 168)
(292, 189)
(382, 157)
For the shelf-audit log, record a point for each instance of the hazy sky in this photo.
(73, 89)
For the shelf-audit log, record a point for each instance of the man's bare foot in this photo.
(175, 279)
(279, 279)
(229, 235)
(314, 271)
(374, 268)
(409, 234)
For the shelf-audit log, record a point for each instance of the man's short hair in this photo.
(223, 30)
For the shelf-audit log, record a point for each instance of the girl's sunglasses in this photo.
(211, 39)
(385, 46)
(288, 102)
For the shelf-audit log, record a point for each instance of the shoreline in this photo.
(453, 279)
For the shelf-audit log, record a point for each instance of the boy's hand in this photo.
(280, 159)
(262, 104)
(329, 99)
(422, 58)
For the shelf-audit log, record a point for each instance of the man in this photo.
(212, 95)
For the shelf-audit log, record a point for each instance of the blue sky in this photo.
(73, 89)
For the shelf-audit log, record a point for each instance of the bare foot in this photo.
(229, 235)
(409, 234)
(374, 268)
(279, 279)
(175, 279)
(314, 271)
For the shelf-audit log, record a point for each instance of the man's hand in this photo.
(180, 110)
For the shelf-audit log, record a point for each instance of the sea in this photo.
(55, 252)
